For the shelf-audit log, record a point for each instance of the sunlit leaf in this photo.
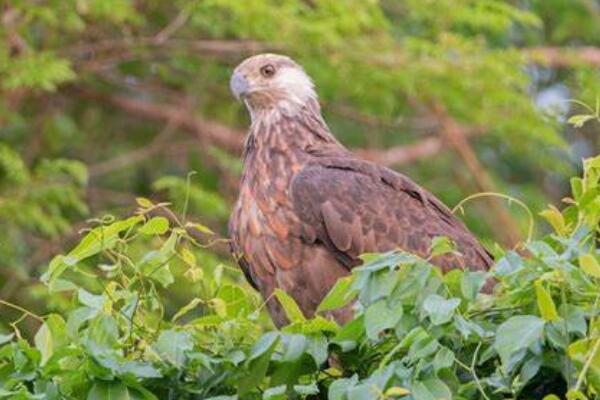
(187, 308)
(292, 311)
(589, 265)
(545, 303)
(155, 226)
(339, 295)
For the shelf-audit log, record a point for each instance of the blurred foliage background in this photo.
(103, 101)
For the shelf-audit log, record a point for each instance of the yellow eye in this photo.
(267, 71)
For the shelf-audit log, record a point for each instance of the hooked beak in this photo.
(239, 85)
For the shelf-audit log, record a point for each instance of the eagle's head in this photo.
(268, 82)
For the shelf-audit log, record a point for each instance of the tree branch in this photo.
(454, 134)
(558, 57)
(231, 139)
(401, 155)
(208, 46)
(208, 132)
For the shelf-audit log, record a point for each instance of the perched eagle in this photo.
(307, 207)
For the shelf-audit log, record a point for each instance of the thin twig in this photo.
(23, 310)
(177, 23)
(475, 377)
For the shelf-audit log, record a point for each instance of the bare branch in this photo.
(402, 155)
(454, 134)
(558, 57)
(208, 132)
(231, 139)
(207, 46)
(177, 23)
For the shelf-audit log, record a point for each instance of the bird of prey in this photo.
(308, 208)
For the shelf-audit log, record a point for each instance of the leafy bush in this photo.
(417, 333)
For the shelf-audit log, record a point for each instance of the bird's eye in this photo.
(267, 71)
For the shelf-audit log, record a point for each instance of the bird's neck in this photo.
(289, 133)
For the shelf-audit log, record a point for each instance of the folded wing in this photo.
(353, 206)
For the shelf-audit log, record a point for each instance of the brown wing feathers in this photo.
(354, 206)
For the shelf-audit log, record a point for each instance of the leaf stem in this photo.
(23, 310)
(587, 365)
(510, 199)
(477, 381)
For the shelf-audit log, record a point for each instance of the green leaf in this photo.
(43, 342)
(292, 311)
(97, 240)
(264, 343)
(187, 308)
(431, 389)
(188, 257)
(6, 338)
(77, 318)
(258, 362)
(517, 333)
(375, 261)
(576, 395)
(396, 391)
(314, 325)
(173, 346)
(471, 283)
(155, 226)
(379, 317)
(144, 202)
(155, 264)
(441, 245)
(338, 389)
(363, 391)
(293, 347)
(439, 309)
(223, 397)
(108, 391)
(306, 390)
(140, 370)
(555, 218)
(579, 120)
(444, 358)
(37, 69)
(236, 300)
(219, 306)
(91, 300)
(100, 238)
(530, 369)
(340, 294)
(200, 228)
(50, 336)
(587, 351)
(551, 397)
(317, 348)
(545, 303)
(423, 346)
(589, 265)
(275, 393)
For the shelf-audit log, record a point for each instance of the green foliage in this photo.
(41, 70)
(381, 68)
(416, 334)
(140, 309)
(42, 200)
